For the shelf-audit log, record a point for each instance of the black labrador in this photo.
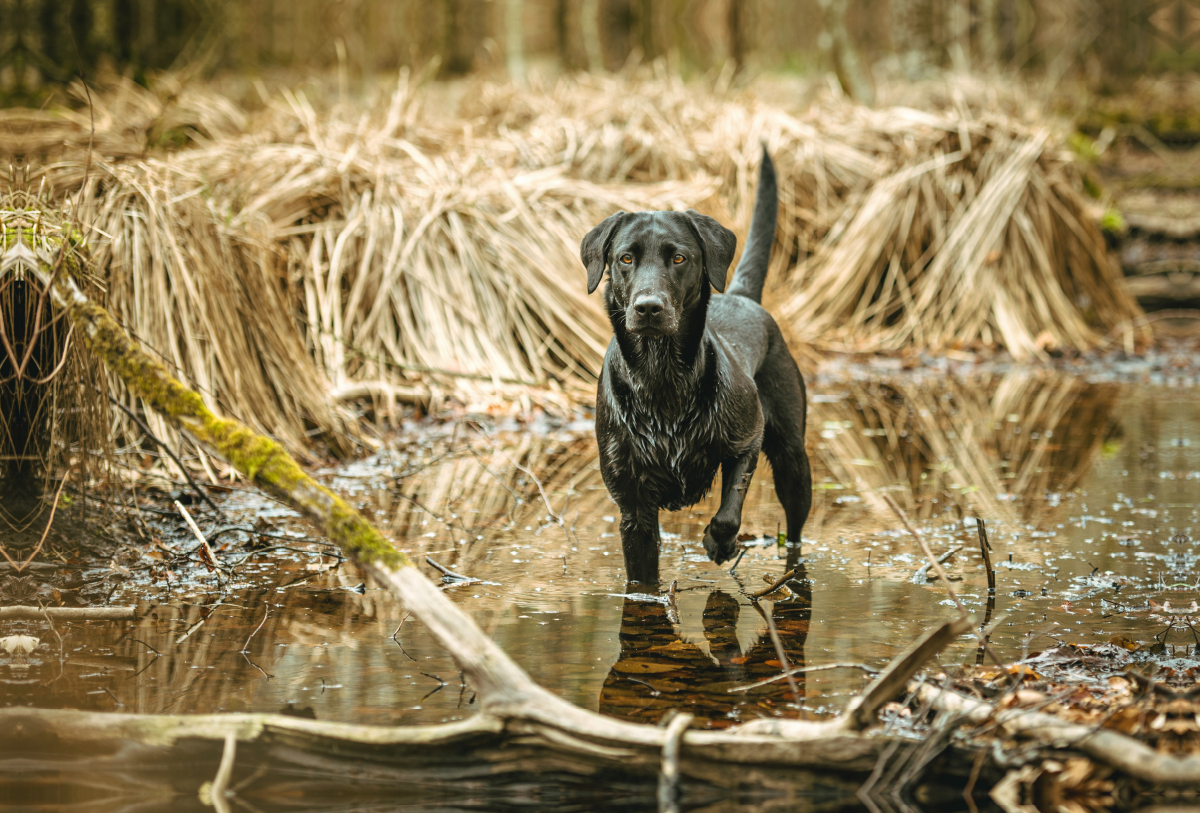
(692, 381)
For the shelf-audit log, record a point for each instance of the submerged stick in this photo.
(779, 652)
(782, 580)
(447, 573)
(206, 552)
(985, 548)
(802, 670)
(922, 574)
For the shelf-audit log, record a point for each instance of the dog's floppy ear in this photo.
(717, 243)
(594, 249)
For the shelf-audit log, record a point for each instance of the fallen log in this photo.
(23, 612)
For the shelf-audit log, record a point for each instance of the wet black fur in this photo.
(693, 382)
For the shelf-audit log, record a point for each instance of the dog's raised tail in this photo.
(751, 272)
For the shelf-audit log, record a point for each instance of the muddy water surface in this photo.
(1082, 480)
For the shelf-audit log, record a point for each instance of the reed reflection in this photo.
(972, 444)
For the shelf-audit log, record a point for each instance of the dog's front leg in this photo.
(639, 542)
(720, 537)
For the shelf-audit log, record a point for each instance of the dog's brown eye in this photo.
(678, 259)
(626, 258)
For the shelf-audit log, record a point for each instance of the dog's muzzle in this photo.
(650, 315)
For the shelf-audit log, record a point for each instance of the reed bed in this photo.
(295, 258)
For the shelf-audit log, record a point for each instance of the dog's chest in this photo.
(672, 460)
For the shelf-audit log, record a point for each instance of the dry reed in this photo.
(54, 419)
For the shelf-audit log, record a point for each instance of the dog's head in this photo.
(660, 264)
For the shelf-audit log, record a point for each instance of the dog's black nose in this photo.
(648, 305)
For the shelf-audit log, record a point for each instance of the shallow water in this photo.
(1081, 479)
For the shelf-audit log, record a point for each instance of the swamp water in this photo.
(1083, 481)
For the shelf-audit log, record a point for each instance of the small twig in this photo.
(397, 640)
(206, 555)
(922, 574)
(266, 612)
(450, 575)
(264, 672)
(191, 629)
(672, 608)
(800, 670)
(668, 779)
(54, 629)
(203, 495)
(783, 659)
(738, 560)
(143, 643)
(766, 591)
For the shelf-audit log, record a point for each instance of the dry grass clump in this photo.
(977, 236)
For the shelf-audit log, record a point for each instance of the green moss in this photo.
(1113, 222)
(264, 462)
(1083, 147)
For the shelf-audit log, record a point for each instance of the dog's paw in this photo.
(719, 550)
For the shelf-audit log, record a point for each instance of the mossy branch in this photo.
(268, 466)
(264, 461)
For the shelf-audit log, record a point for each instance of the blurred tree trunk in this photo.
(739, 30)
(589, 26)
(463, 22)
(616, 25)
(853, 75)
(572, 30)
(514, 39)
(989, 52)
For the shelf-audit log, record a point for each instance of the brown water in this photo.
(1082, 479)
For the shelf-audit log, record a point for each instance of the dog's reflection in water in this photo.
(658, 671)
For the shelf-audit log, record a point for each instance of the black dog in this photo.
(693, 382)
